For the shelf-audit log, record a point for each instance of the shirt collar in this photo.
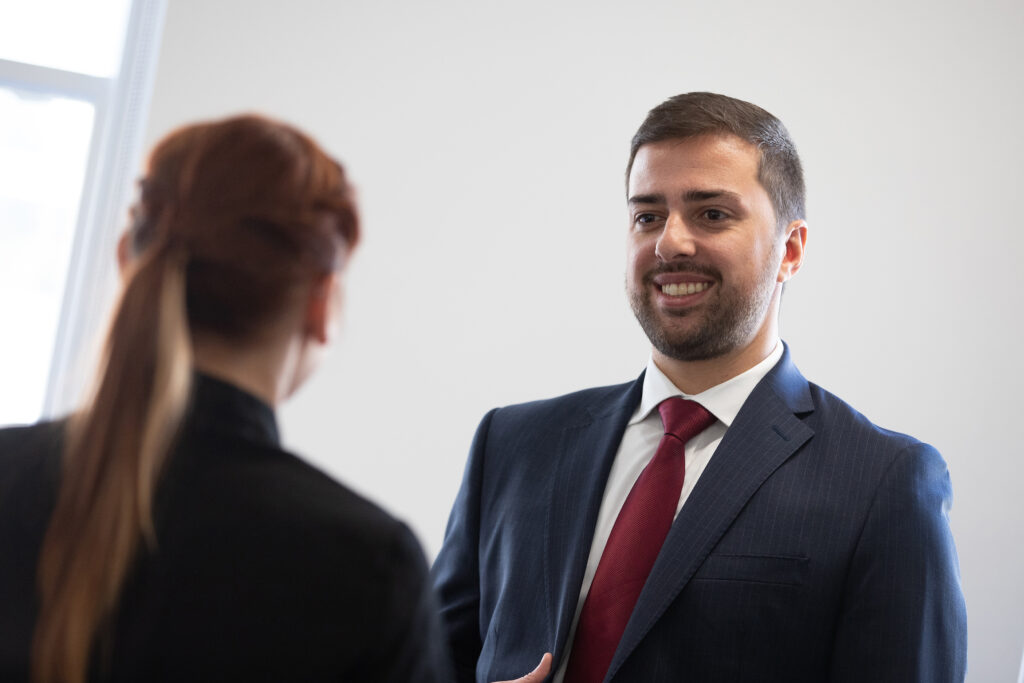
(219, 406)
(722, 400)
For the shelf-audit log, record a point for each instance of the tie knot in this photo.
(684, 419)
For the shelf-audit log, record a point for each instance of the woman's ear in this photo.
(323, 304)
(124, 253)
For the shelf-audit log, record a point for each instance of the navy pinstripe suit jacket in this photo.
(815, 547)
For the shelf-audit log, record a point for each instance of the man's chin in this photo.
(688, 351)
(678, 333)
(688, 345)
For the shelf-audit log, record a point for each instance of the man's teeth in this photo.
(684, 288)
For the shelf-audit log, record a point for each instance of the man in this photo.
(761, 530)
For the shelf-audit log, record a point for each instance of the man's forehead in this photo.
(715, 149)
(707, 162)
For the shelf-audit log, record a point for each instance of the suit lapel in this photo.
(584, 455)
(764, 435)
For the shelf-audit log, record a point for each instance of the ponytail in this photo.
(115, 451)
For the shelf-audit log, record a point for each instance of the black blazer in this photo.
(265, 568)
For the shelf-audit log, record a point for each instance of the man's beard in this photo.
(727, 321)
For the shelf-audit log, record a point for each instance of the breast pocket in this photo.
(777, 570)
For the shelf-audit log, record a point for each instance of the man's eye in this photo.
(715, 215)
(646, 218)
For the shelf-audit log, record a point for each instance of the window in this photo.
(74, 84)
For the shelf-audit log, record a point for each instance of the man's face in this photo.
(704, 258)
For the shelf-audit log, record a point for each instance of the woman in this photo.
(161, 533)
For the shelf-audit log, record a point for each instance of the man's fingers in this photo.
(538, 674)
(541, 672)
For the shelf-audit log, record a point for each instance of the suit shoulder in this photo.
(343, 531)
(837, 422)
(277, 482)
(281, 516)
(581, 407)
(29, 439)
(30, 451)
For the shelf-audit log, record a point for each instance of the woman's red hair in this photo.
(234, 217)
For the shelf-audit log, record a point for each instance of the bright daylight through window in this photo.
(74, 79)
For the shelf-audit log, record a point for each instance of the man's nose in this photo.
(676, 240)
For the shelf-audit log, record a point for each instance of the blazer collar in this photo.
(788, 385)
(219, 407)
(585, 451)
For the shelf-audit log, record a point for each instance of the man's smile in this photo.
(684, 288)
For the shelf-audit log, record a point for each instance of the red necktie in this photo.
(636, 538)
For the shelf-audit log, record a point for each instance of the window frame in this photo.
(121, 105)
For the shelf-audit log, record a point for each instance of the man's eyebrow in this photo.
(704, 195)
(688, 196)
(647, 199)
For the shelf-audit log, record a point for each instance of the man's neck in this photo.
(693, 377)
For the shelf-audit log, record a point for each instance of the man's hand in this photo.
(538, 674)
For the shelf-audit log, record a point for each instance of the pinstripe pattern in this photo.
(815, 547)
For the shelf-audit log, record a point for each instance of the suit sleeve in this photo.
(904, 618)
(456, 571)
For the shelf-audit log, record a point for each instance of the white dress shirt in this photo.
(640, 440)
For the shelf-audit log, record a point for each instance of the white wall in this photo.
(488, 140)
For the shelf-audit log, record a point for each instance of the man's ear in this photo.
(319, 307)
(793, 257)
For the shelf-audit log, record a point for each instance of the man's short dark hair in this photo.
(704, 113)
